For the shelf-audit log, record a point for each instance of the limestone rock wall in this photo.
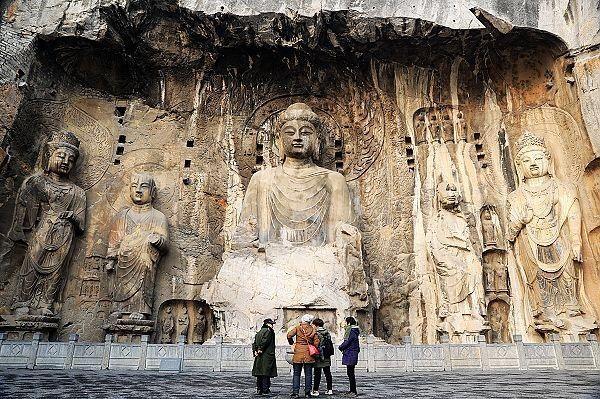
(187, 92)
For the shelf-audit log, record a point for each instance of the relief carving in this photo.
(458, 269)
(545, 227)
(49, 213)
(297, 223)
(138, 237)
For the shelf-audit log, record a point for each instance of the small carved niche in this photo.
(442, 124)
(497, 313)
(192, 319)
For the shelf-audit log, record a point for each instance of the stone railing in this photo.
(374, 356)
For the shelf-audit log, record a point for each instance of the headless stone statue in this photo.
(138, 237)
(49, 212)
(545, 226)
(459, 270)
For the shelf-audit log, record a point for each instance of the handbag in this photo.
(312, 350)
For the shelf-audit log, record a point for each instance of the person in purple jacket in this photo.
(350, 348)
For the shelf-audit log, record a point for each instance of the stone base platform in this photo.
(23, 327)
(129, 330)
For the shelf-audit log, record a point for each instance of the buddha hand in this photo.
(110, 266)
(577, 255)
(154, 239)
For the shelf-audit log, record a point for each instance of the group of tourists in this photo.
(312, 348)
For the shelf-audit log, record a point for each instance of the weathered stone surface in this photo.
(409, 94)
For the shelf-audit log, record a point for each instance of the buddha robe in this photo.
(297, 206)
(459, 271)
(136, 257)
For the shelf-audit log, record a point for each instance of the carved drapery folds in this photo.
(137, 239)
(544, 223)
(295, 244)
(49, 214)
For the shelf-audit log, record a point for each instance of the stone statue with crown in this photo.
(49, 213)
(544, 223)
(296, 245)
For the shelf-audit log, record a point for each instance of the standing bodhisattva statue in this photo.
(138, 237)
(545, 226)
(49, 212)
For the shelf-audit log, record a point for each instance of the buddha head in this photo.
(142, 189)
(448, 195)
(532, 158)
(300, 133)
(63, 152)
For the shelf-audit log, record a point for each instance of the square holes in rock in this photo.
(187, 163)
(120, 150)
(122, 138)
(189, 143)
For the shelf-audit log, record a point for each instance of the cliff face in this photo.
(185, 90)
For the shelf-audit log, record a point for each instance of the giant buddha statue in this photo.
(544, 223)
(296, 244)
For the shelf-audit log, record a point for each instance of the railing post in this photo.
(3, 337)
(558, 353)
(370, 354)
(180, 350)
(35, 344)
(520, 351)
(407, 341)
(595, 349)
(483, 350)
(445, 341)
(219, 354)
(143, 352)
(106, 352)
(73, 338)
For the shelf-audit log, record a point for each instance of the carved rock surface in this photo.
(410, 93)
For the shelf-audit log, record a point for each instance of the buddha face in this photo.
(298, 139)
(62, 161)
(534, 163)
(141, 189)
(448, 195)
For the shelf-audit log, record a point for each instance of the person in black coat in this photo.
(265, 365)
(350, 349)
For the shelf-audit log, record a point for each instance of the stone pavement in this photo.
(77, 384)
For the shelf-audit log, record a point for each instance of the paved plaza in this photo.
(47, 384)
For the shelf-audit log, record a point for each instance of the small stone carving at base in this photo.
(22, 328)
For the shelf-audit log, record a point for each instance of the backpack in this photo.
(326, 346)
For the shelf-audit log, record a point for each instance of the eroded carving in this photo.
(297, 223)
(458, 269)
(545, 227)
(49, 213)
(138, 237)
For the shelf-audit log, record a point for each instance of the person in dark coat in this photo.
(265, 365)
(323, 360)
(350, 348)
